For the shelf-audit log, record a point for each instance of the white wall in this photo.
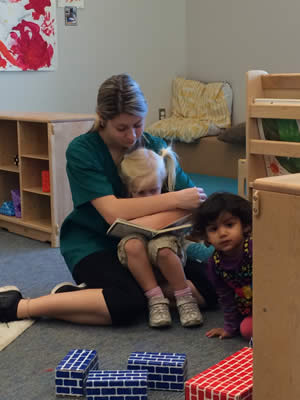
(145, 38)
(227, 38)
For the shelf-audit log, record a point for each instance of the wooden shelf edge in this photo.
(275, 110)
(275, 148)
(37, 225)
(36, 190)
(10, 168)
(36, 156)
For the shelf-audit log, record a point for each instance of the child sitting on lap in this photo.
(144, 173)
(225, 221)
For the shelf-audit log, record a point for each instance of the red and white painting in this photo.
(27, 35)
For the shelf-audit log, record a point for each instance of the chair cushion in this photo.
(198, 109)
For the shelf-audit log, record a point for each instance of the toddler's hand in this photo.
(218, 332)
(190, 198)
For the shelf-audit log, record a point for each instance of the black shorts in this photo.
(124, 297)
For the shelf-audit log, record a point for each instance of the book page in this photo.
(121, 228)
(179, 224)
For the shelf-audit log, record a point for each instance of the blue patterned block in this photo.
(134, 385)
(166, 371)
(72, 371)
(8, 209)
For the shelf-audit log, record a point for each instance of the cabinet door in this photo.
(61, 134)
(276, 287)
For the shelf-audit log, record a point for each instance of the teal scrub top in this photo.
(92, 173)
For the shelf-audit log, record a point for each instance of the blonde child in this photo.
(146, 173)
(225, 221)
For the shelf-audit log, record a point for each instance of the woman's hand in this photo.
(190, 198)
(218, 332)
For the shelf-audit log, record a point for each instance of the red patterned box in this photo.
(45, 181)
(230, 379)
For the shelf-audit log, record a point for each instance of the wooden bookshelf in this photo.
(269, 96)
(40, 141)
(276, 235)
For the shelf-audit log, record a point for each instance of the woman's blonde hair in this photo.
(142, 166)
(119, 94)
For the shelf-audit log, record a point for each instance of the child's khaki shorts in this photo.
(175, 243)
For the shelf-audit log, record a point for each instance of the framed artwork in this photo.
(70, 15)
(28, 35)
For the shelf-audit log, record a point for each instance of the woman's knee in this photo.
(246, 328)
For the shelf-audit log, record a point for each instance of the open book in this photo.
(285, 130)
(176, 222)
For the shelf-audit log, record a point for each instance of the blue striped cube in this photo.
(166, 371)
(117, 385)
(72, 371)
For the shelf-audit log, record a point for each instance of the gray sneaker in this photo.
(189, 312)
(159, 314)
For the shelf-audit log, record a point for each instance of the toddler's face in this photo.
(145, 192)
(226, 234)
(146, 186)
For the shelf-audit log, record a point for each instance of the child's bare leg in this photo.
(83, 307)
(139, 265)
(171, 267)
(169, 293)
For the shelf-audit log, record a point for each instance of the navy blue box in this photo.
(117, 385)
(72, 371)
(166, 371)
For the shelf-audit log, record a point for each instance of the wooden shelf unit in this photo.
(269, 96)
(40, 141)
(276, 281)
(276, 235)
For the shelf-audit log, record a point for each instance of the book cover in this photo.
(174, 222)
(286, 130)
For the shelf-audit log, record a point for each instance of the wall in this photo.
(227, 38)
(140, 37)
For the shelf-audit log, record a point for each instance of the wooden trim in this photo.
(271, 147)
(281, 81)
(45, 117)
(289, 184)
(276, 110)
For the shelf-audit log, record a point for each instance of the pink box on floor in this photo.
(230, 379)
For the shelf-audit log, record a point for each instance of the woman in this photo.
(111, 295)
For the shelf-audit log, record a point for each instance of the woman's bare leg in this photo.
(83, 307)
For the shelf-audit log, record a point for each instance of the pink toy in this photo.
(230, 379)
(15, 194)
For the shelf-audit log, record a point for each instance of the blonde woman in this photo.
(107, 293)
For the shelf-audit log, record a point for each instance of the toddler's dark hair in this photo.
(217, 203)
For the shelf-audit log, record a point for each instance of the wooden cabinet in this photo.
(276, 287)
(39, 140)
(269, 96)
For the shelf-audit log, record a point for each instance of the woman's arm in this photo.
(111, 207)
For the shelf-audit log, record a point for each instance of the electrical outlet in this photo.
(161, 113)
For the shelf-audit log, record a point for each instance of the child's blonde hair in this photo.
(142, 166)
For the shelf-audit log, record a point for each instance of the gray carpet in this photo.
(27, 365)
